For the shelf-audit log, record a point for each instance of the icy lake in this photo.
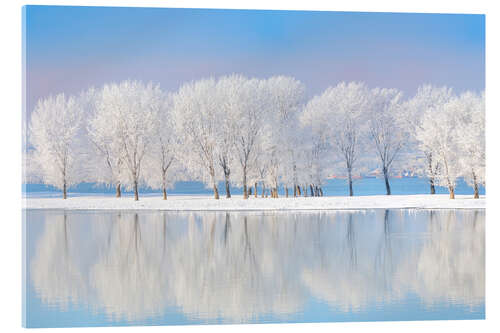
(103, 268)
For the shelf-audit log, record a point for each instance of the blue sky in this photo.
(72, 48)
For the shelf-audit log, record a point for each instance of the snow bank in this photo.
(196, 203)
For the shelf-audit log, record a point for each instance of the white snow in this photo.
(197, 203)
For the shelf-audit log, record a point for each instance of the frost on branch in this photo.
(53, 132)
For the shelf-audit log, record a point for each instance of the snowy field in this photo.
(196, 203)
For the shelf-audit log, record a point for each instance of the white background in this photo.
(10, 158)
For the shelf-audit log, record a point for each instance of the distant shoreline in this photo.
(237, 203)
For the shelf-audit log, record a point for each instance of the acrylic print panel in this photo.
(198, 166)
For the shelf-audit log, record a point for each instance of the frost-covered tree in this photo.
(195, 113)
(350, 103)
(440, 131)
(385, 128)
(274, 167)
(454, 131)
(54, 132)
(313, 165)
(315, 135)
(253, 104)
(338, 117)
(133, 108)
(287, 96)
(229, 94)
(260, 168)
(30, 170)
(471, 140)
(160, 170)
(426, 98)
(107, 157)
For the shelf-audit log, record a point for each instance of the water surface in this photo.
(99, 268)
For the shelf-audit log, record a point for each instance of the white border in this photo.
(10, 155)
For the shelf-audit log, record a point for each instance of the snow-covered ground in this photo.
(192, 203)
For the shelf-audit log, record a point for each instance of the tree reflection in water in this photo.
(244, 266)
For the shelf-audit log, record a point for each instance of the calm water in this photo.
(94, 268)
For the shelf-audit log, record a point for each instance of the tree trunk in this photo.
(321, 191)
(164, 183)
(452, 192)
(118, 190)
(255, 188)
(64, 190)
(294, 190)
(136, 191)
(216, 192)
(228, 191)
(250, 190)
(476, 186)
(263, 189)
(433, 187)
(386, 178)
(312, 190)
(305, 190)
(214, 183)
(431, 178)
(349, 174)
(286, 191)
(299, 191)
(245, 190)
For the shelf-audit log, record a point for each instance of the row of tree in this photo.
(250, 132)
